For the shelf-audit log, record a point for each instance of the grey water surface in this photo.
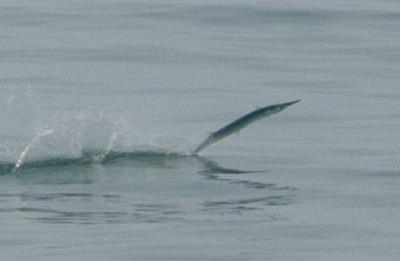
(102, 102)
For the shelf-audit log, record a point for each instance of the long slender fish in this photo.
(242, 122)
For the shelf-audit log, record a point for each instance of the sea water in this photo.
(102, 103)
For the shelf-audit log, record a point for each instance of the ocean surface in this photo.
(102, 103)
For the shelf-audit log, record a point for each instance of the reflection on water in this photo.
(79, 191)
(211, 167)
(66, 208)
(240, 205)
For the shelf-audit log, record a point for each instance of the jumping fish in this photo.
(242, 122)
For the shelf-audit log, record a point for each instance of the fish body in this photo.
(241, 123)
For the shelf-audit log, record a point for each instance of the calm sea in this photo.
(103, 101)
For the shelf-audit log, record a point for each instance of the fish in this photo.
(241, 123)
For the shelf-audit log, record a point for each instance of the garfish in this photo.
(241, 123)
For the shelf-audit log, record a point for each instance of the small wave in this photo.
(89, 158)
(137, 159)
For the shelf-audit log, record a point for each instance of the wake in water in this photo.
(84, 140)
(88, 139)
